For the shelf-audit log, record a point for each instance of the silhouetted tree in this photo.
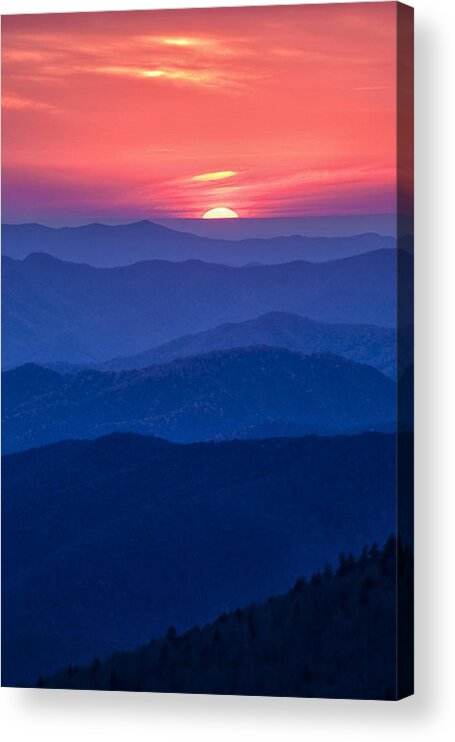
(335, 641)
(171, 633)
(328, 572)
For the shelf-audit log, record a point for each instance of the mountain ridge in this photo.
(115, 245)
(208, 396)
(59, 311)
(368, 344)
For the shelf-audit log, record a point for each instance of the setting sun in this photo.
(220, 213)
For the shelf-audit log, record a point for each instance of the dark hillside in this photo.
(298, 644)
(107, 542)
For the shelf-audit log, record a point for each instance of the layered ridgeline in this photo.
(57, 311)
(246, 393)
(298, 644)
(109, 246)
(369, 344)
(107, 542)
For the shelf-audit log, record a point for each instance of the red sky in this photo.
(274, 111)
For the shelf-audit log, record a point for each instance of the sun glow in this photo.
(220, 212)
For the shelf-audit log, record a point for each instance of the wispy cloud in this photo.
(219, 175)
(200, 45)
(372, 88)
(18, 103)
(24, 55)
(199, 77)
(185, 59)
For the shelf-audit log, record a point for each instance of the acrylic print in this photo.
(207, 351)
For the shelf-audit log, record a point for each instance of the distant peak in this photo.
(41, 257)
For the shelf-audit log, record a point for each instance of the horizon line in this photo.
(108, 220)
